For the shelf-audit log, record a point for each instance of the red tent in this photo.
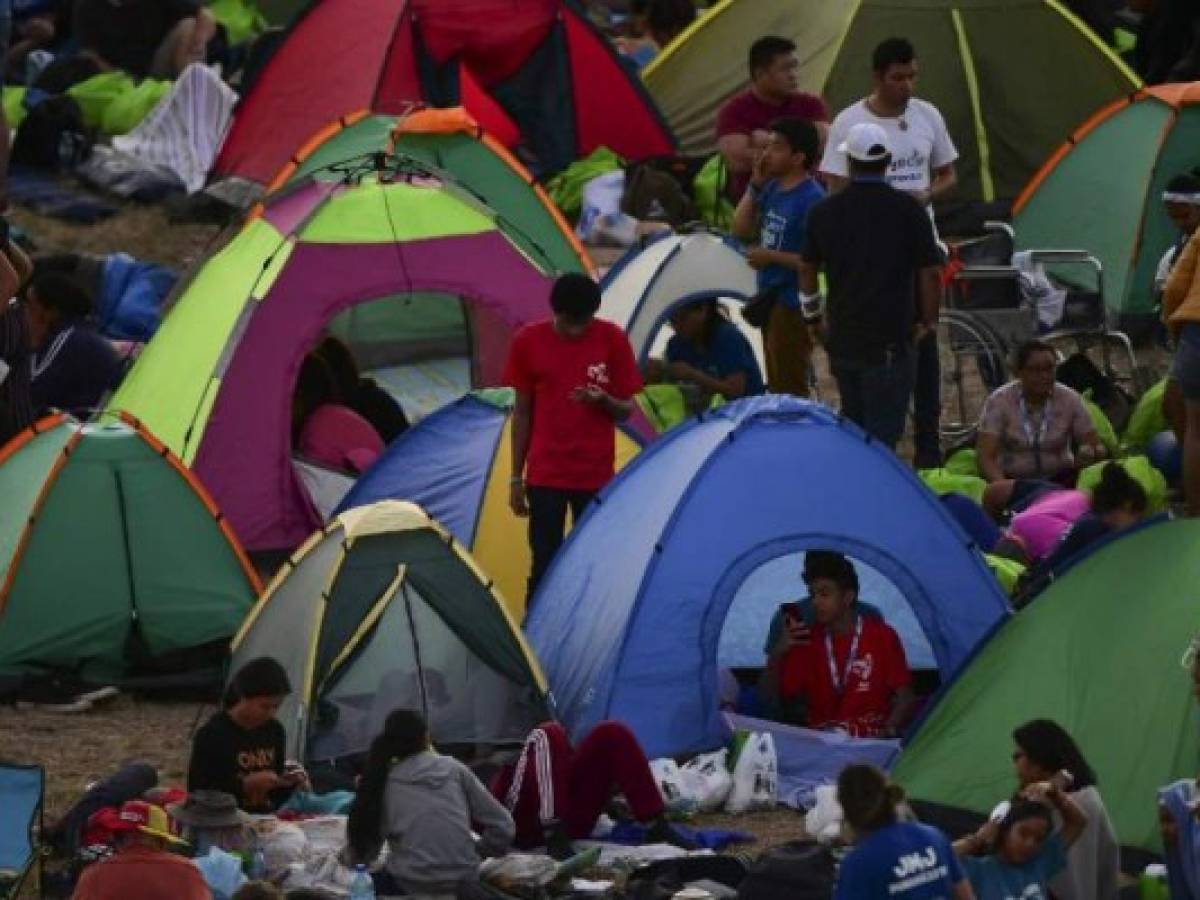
(535, 71)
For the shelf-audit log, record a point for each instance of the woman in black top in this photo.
(240, 750)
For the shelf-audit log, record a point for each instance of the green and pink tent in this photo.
(387, 253)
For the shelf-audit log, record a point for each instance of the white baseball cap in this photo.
(866, 142)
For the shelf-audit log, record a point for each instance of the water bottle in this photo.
(362, 887)
(258, 865)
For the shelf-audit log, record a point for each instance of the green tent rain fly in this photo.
(1011, 77)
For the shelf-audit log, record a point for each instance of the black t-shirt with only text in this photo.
(872, 241)
(223, 753)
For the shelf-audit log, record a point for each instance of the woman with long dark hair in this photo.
(240, 750)
(1042, 748)
(892, 858)
(424, 805)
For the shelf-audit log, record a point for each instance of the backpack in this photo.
(53, 136)
(662, 879)
(659, 189)
(799, 870)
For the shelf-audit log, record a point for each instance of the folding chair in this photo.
(21, 791)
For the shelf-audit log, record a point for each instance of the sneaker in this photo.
(558, 842)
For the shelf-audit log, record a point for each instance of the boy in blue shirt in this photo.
(773, 211)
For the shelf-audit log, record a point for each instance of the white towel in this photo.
(184, 132)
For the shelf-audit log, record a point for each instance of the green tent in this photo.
(1074, 201)
(111, 555)
(448, 140)
(978, 59)
(1099, 652)
(383, 609)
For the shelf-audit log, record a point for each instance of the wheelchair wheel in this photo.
(972, 358)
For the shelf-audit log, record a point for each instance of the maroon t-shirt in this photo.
(747, 113)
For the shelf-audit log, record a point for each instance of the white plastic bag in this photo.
(601, 199)
(671, 783)
(824, 820)
(1039, 291)
(707, 778)
(755, 777)
(283, 845)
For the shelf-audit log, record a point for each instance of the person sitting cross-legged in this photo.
(850, 674)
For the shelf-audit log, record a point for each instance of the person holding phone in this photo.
(241, 749)
(844, 670)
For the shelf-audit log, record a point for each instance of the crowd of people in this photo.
(837, 215)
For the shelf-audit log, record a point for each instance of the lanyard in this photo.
(839, 680)
(1035, 436)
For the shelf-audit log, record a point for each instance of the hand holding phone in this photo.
(796, 629)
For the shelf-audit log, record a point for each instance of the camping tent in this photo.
(419, 278)
(383, 609)
(1104, 667)
(113, 559)
(535, 73)
(1074, 201)
(705, 511)
(455, 464)
(668, 270)
(976, 56)
(448, 140)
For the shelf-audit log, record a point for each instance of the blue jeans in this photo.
(1186, 366)
(875, 394)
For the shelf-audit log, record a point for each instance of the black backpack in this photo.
(53, 136)
(798, 870)
(659, 189)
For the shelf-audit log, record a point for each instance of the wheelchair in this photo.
(985, 317)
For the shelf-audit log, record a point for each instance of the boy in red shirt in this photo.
(575, 377)
(848, 670)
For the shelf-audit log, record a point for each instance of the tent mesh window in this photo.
(412, 659)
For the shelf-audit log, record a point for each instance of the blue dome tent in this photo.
(629, 621)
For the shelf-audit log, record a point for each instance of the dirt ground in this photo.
(78, 748)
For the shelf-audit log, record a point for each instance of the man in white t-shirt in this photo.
(922, 164)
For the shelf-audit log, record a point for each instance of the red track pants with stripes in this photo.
(552, 780)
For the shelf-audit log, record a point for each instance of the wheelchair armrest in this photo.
(1084, 257)
(987, 273)
(993, 227)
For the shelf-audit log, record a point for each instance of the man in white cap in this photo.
(881, 261)
(923, 157)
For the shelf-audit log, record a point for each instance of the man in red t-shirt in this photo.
(848, 670)
(744, 122)
(575, 377)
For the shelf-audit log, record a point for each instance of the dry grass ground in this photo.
(77, 748)
(141, 231)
